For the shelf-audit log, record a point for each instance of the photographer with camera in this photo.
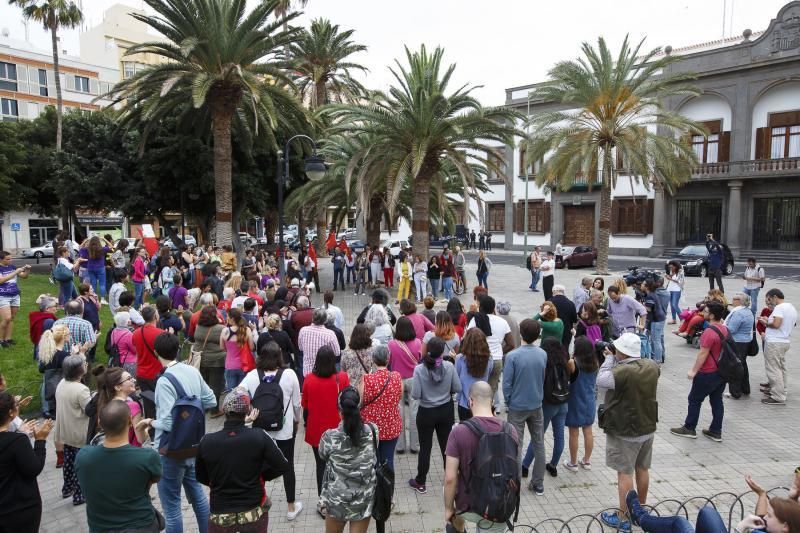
(628, 416)
(716, 258)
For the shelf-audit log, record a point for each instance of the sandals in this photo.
(586, 465)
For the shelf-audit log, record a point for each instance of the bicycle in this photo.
(459, 285)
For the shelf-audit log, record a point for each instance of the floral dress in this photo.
(357, 363)
(380, 405)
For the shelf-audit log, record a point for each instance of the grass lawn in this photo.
(16, 362)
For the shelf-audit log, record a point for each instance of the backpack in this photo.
(268, 399)
(763, 275)
(556, 384)
(528, 262)
(114, 357)
(188, 424)
(729, 365)
(494, 484)
(593, 332)
(384, 484)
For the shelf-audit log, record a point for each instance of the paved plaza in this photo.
(758, 440)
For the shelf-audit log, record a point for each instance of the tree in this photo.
(614, 106)
(419, 126)
(282, 9)
(322, 74)
(223, 62)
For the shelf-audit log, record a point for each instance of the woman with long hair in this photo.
(118, 384)
(235, 339)
(434, 275)
(552, 326)
(51, 358)
(472, 364)
(484, 264)
(456, 311)
(321, 389)
(94, 251)
(349, 452)
(357, 358)
(435, 381)
(443, 329)
(676, 280)
(405, 355)
(66, 288)
(581, 408)
(207, 336)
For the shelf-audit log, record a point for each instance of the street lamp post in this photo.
(315, 170)
(527, 176)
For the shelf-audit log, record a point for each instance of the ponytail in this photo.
(433, 356)
(242, 327)
(48, 343)
(353, 425)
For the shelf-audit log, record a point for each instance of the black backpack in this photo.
(268, 399)
(556, 384)
(493, 489)
(112, 350)
(528, 263)
(729, 365)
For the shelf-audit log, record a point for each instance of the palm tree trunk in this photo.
(374, 220)
(270, 225)
(605, 220)
(59, 99)
(420, 215)
(223, 188)
(322, 233)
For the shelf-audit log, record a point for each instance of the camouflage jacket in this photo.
(348, 486)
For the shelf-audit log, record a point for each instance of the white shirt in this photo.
(499, 329)
(66, 262)
(338, 320)
(548, 267)
(757, 272)
(677, 281)
(788, 315)
(291, 394)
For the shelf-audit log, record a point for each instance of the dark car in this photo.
(435, 241)
(576, 256)
(694, 258)
(356, 246)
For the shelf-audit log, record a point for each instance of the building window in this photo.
(42, 82)
(496, 168)
(538, 217)
(707, 148)
(785, 142)
(496, 216)
(128, 69)
(10, 110)
(632, 216)
(8, 76)
(82, 84)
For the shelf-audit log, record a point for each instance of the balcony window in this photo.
(42, 82)
(785, 142)
(8, 76)
(707, 149)
(82, 84)
(496, 216)
(9, 109)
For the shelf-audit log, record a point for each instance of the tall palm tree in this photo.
(614, 107)
(322, 72)
(224, 62)
(53, 15)
(419, 127)
(282, 9)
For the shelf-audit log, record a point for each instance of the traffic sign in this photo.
(15, 226)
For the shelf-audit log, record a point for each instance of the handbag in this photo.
(384, 485)
(62, 273)
(196, 356)
(752, 347)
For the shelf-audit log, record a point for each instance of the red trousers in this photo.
(388, 277)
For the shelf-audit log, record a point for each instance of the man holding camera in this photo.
(628, 416)
(716, 258)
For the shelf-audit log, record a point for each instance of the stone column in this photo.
(733, 230)
(660, 222)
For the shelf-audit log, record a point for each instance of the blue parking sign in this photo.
(15, 226)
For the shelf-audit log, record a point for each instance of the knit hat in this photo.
(503, 308)
(237, 402)
(629, 344)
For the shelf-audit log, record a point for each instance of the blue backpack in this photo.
(188, 424)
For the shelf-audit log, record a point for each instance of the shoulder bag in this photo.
(404, 347)
(380, 392)
(384, 484)
(196, 356)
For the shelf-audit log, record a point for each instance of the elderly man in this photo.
(628, 416)
(580, 295)
(777, 336)
(81, 332)
(301, 317)
(313, 337)
(626, 313)
(535, 261)
(566, 312)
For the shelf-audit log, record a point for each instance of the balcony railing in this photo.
(745, 169)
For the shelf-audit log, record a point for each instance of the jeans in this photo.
(535, 421)
(66, 291)
(447, 285)
(435, 288)
(174, 474)
(97, 279)
(408, 417)
(351, 274)
(535, 275)
(482, 277)
(708, 521)
(338, 276)
(557, 415)
(675, 303)
(138, 292)
(753, 294)
(742, 386)
(419, 286)
(657, 340)
(386, 451)
(709, 385)
(429, 419)
(233, 377)
(715, 274)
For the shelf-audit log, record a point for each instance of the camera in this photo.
(601, 346)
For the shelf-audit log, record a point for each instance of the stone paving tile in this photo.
(758, 440)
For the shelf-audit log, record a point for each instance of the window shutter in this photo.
(522, 155)
(518, 212)
(546, 217)
(614, 216)
(724, 154)
(22, 79)
(714, 126)
(649, 216)
(70, 82)
(763, 139)
(619, 160)
(51, 83)
(789, 118)
(94, 86)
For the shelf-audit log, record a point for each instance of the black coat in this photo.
(567, 314)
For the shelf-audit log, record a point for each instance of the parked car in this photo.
(396, 246)
(45, 251)
(246, 238)
(346, 234)
(436, 241)
(131, 244)
(189, 240)
(694, 258)
(576, 256)
(356, 245)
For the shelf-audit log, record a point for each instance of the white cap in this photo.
(629, 344)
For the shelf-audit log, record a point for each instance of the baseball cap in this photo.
(629, 344)
(237, 402)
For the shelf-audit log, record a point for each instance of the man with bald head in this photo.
(462, 445)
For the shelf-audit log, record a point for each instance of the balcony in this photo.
(758, 168)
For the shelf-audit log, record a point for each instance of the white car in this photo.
(189, 240)
(395, 247)
(346, 234)
(45, 251)
(246, 238)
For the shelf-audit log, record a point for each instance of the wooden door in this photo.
(579, 225)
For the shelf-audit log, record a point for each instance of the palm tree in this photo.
(419, 127)
(322, 74)
(614, 107)
(53, 15)
(282, 9)
(224, 62)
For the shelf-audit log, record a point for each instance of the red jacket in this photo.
(147, 364)
(320, 397)
(36, 321)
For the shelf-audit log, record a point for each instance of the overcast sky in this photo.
(498, 44)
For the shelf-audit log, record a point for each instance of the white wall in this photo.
(708, 107)
(644, 241)
(784, 97)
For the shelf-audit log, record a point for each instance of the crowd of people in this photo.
(204, 335)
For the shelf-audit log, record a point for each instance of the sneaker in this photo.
(586, 465)
(551, 469)
(524, 472)
(291, 515)
(684, 432)
(572, 467)
(772, 401)
(634, 507)
(537, 489)
(103, 301)
(417, 486)
(716, 437)
(611, 519)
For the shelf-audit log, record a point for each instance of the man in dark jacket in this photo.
(235, 462)
(566, 312)
(716, 260)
